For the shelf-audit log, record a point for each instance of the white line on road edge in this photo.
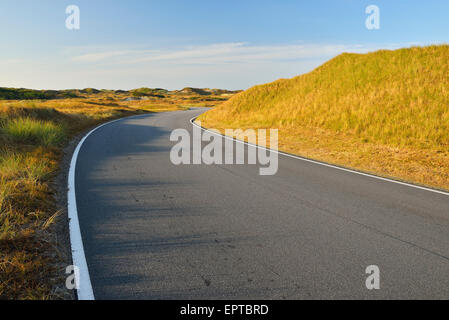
(321, 163)
(85, 291)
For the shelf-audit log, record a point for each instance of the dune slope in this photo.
(385, 112)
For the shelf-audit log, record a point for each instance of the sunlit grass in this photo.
(22, 166)
(397, 100)
(37, 132)
(32, 135)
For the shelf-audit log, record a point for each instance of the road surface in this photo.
(153, 230)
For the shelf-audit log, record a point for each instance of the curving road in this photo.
(152, 230)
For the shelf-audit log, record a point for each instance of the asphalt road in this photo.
(153, 230)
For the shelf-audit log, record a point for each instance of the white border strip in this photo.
(322, 163)
(85, 291)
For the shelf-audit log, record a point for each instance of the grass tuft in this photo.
(21, 166)
(36, 132)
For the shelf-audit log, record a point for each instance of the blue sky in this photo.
(178, 43)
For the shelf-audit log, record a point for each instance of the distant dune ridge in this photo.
(394, 104)
(30, 94)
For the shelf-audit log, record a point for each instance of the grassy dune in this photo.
(385, 112)
(32, 136)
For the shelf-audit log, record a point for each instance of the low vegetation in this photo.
(28, 94)
(32, 136)
(385, 112)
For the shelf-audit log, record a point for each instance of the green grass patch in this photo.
(31, 131)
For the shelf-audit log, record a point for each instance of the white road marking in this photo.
(85, 291)
(322, 163)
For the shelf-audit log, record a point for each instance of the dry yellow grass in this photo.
(385, 112)
(32, 136)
